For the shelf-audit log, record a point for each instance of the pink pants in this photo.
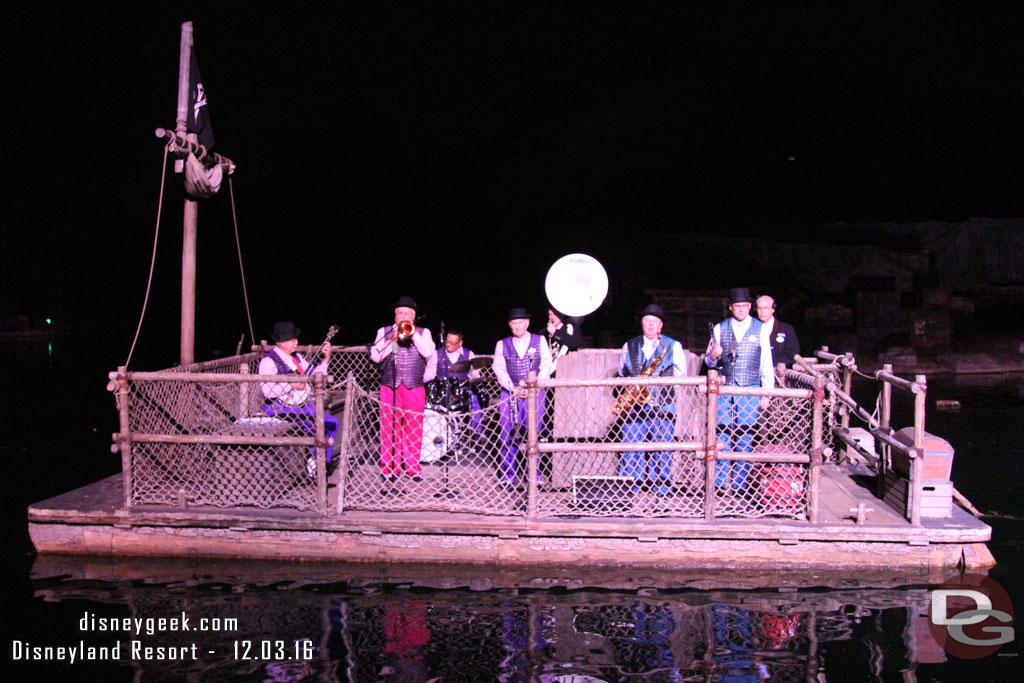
(401, 429)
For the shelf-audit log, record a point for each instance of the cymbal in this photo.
(475, 363)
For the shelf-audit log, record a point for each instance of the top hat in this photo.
(653, 309)
(517, 314)
(740, 295)
(283, 331)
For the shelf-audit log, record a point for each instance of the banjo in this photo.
(298, 398)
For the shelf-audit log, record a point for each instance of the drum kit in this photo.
(447, 413)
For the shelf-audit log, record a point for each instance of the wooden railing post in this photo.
(124, 437)
(847, 388)
(243, 391)
(919, 408)
(917, 464)
(319, 389)
(814, 474)
(883, 449)
(532, 422)
(346, 431)
(711, 446)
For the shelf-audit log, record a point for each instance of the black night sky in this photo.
(453, 153)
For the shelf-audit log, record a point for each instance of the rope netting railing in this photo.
(200, 435)
(449, 459)
(833, 376)
(683, 447)
(586, 459)
(748, 449)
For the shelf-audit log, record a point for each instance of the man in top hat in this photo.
(403, 361)
(563, 335)
(514, 357)
(740, 350)
(292, 401)
(651, 354)
(782, 336)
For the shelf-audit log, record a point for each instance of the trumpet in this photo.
(404, 331)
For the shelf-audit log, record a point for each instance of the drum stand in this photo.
(446, 491)
(449, 450)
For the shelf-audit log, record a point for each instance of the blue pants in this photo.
(305, 417)
(737, 416)
(652, 466)
(474, 413)
(513, 430)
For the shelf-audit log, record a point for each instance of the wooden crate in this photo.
(938, 456)
(936, 496)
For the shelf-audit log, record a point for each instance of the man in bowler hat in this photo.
(284, 399)
(657, 355)
(514, 357)
(403, 361)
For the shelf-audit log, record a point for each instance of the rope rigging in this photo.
(175, 144)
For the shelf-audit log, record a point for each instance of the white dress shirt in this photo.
(421, 339)
(453, 358)
(267, 366)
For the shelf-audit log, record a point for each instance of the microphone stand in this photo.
(447, 376)
(446, 491)
(394, 410)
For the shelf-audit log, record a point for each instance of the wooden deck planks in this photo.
(840, 494)
(98, 504)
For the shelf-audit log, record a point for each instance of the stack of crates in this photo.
(936, 467)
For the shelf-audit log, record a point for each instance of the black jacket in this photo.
(785, 345)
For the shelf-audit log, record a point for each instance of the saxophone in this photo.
(637, 395)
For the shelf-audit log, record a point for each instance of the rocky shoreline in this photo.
(982, 354)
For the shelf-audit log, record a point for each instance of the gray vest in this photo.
(741, 361)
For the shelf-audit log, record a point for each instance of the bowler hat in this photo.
(740, 294)
(655, 310)
(517, 314)
(283, 331)
(405, 302)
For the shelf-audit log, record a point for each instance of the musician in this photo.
(403, 361)
(514, 357)
(282, 399)
(651, 354)
(739, 348)
(781, 336)
(439, 371)
(562, 336)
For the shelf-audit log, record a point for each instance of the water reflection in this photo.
(479, 624)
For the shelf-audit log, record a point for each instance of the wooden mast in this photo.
(189, 230)
(182, 143)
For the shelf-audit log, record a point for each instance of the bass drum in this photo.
(450, 393)
(438, 433)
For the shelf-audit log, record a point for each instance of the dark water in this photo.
(359, 623)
